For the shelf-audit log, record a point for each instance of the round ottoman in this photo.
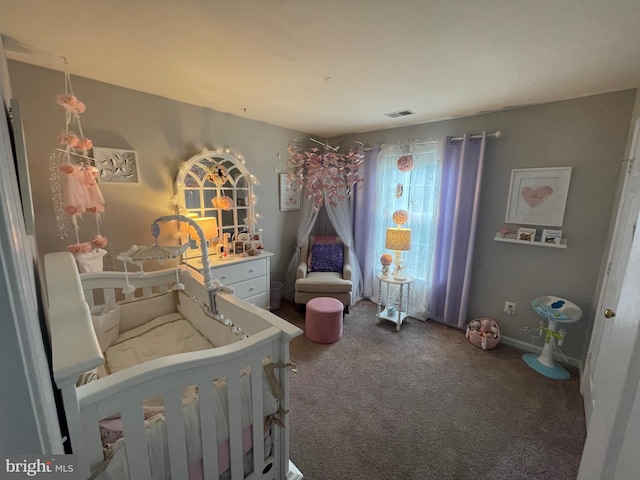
(323, 320)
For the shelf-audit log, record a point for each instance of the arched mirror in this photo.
(216, 184)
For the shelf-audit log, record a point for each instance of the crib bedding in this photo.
(165, 335)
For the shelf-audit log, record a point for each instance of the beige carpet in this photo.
(424, 403)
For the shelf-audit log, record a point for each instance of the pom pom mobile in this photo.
(325, 175)
(74, 185)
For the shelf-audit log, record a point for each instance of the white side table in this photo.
(399, 310)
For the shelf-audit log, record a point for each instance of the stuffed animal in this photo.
(474, 325)
(485, 325)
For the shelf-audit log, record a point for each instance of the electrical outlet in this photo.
(510, 308)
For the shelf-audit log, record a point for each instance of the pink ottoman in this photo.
(323, 321)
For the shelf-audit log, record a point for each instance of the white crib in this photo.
(76, 351)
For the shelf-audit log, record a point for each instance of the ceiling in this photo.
(337, 66)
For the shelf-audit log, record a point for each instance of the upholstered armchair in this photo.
(324, 271)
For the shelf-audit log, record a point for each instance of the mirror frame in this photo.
(199, 182)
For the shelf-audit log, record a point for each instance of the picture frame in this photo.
(238, 247)
(526, 234)
(538, 196)
(553, 237)
(254, 244)
(255, 237)
(290, 193)
(116, 165)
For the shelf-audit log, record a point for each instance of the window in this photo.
(413, 188)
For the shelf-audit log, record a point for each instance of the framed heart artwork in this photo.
(538, 196)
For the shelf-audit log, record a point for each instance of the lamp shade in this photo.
(398, 239)
(209, 227)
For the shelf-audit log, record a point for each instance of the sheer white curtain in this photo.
(308, 217)
(340, 215)
(415, 191)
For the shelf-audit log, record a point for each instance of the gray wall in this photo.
(588, 134)
(164, 133)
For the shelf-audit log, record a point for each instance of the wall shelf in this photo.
(562, 244)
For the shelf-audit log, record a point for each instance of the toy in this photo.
(485, 325)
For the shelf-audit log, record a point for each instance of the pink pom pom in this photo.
(72, 210)
(66, 168)
(99, 241)
(405, 163)
(70, 103)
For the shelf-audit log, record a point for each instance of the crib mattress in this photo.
(166, 335)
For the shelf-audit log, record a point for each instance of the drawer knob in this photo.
(251, 270)
(223, 277)
(251, 289)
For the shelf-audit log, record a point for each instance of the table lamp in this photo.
(209, 226)
(399, 240)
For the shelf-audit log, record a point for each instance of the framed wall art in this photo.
(116, 165)
(538, 196)
(290, 193)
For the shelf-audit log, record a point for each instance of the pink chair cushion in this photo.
(323, 320)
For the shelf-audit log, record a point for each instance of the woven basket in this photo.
(479, 340)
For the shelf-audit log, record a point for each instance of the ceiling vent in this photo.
(401, 113)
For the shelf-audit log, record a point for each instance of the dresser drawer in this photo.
(231, 274)
(250, 288)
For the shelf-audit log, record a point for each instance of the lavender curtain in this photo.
(455, 236)
(364, 201)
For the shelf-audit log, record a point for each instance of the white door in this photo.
(614, 375)
(617, 264)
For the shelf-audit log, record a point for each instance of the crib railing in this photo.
(124, 392)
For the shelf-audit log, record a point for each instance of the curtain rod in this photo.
(495, 134)
(473, 136)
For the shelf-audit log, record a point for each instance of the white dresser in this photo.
(250, 277)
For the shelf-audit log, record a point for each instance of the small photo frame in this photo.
(553, 237)
(116, 165)
(254, 245)
(255, 237)
(238, 247)
(526, 234)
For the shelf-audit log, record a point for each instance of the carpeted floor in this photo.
(423, 404)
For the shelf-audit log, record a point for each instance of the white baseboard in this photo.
(528, 347)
